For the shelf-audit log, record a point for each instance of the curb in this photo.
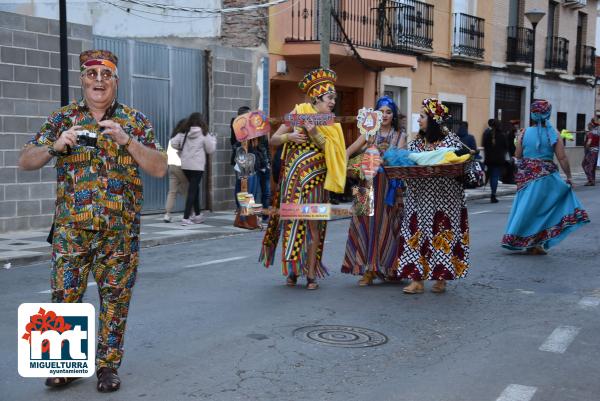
(486, 195)
(23, 261)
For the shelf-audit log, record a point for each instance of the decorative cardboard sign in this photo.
(369, 121)
(371, 160)
(298, 120)
(244, 162)
(251, 125)
(305, 211)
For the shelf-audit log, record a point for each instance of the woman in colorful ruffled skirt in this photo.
(545, 209)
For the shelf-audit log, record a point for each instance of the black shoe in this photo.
(334, 201)
(493, 199)
(108, 380)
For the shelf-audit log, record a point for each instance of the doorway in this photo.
(347, 104)
(399, 95)
(456, 112)
(508, 104)
(177, 74)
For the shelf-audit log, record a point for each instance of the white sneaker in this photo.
(186, 222)
(199, 219)
(167, 218)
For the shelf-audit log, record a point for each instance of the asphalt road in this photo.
(207, 322)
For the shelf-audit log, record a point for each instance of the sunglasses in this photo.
(105, 75)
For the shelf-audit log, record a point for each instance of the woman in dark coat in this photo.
(496, 148)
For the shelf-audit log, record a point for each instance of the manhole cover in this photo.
(340, 336)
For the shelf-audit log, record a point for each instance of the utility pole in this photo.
(64, 53)
(325, 30)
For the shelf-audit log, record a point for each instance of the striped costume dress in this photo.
(302, 180)
(373, 240)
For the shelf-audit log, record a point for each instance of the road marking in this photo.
(560, 339)
(517, 392)
(217, 261)
(481, 212)
(589, 302)
(89, 284)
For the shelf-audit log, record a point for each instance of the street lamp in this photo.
(534, 16)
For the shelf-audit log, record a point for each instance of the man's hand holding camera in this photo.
(76, 135)
(67, 138)
(115, 131)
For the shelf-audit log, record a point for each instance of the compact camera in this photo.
(87, 138)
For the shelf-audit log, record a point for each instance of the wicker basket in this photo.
(438, 170)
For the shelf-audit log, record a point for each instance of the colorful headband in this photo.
(540, 110)
(318, 82)
(387, 101)
(90, 58)
(436, 110)
(106, 63)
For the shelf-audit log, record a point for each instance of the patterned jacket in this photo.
(98, 188)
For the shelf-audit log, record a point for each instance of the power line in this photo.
(205, 10)
(135, 11)
(186, 18)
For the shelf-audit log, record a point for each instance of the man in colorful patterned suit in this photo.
(100, 146)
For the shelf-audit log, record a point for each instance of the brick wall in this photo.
(233, 77)
(29, 92)
(247, 29)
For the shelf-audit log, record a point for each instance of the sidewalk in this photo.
(27, 247)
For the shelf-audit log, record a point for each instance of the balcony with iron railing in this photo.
(396, 26)
(468, 37)
(585, 61)
(575, 3)
(557, 54)
(519, 46)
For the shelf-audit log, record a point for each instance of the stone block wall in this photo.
(232, 85)
(29, 92)
(249, 29)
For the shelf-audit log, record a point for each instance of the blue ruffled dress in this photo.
(545, 209)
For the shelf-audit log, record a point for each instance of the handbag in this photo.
(247, 222)
(474, 176)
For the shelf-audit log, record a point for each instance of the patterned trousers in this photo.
(112, 257)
